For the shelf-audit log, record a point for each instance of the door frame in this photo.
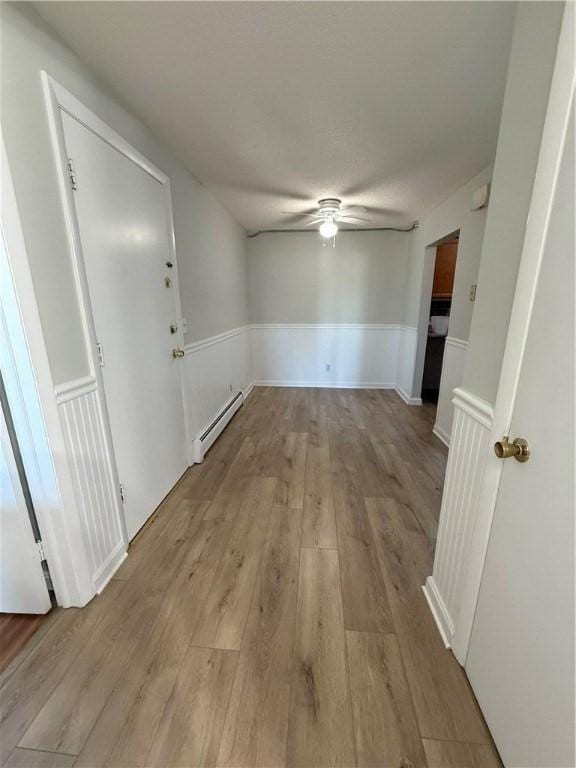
(554, 134)
(30, 391)
(59, 99)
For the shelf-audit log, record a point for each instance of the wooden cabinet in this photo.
(444, 269)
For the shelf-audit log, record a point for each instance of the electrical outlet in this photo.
(473, 292)
(328, 367)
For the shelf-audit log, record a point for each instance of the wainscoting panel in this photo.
(215, 370)
(325, 355)
(452, 373)
(97, 498)
(407, 343)
(469, 449)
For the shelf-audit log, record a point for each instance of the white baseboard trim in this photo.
(406, 397)
(439, 612)
(109, 568)
(441, 435)
(325, 385)
(248, 391)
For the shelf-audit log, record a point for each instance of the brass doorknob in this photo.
(518, 449)
(177, 352)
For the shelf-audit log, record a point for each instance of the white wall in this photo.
(210, 245)
(454, 214)
(294, 278)
(325, 355)
(211, 252)
(326, 316)
(470, 483)
(215, 370)
(526, 97)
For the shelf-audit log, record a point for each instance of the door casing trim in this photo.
(59, 100)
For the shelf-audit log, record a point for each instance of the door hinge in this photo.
(100, 353)
(72, 174)
(122, 494)
(45, 570)
(41, 550)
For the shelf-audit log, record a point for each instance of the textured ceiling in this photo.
(272, 105)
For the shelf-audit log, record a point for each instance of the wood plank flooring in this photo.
(269, 614)
(16, 629)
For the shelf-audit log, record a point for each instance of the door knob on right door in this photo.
(518, 449)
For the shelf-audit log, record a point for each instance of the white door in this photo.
(521, 655)
(22, 585)
(125, 231)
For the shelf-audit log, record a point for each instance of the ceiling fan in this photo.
(330, 213)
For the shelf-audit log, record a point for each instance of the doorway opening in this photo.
(439, 317)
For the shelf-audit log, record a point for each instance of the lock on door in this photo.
(177, 352)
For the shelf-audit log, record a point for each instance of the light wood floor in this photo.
(16, 629)
(269, 614)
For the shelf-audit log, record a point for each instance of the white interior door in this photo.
(125, 232)
(521, 654)
(22, 585)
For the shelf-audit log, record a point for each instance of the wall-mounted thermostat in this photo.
(480, 198)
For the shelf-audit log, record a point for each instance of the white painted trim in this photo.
(329, 326)
(441, 435)
(554, 136)
(439, 611)
(467, 459)
(44, 452)
(104, 575)
(97, 491)
(90, 120)
(248, 391)
(325, 385)
(406, 397)
(452, 341)
(75, 388)
(195, 346)
(479, 409)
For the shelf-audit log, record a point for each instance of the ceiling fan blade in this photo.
(311, 223)
(298, 213)
(352, 210)
(351, 219)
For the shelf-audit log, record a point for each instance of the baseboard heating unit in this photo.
(212, 432)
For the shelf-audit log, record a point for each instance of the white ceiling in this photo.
(272, 105)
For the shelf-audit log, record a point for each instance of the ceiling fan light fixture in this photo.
(328, 229)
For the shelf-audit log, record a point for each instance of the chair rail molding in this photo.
(467, 458)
